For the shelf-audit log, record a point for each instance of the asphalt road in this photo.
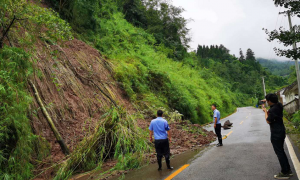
(247, 153)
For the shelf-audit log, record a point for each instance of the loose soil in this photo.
(63, 78)
(75, 105)
(77, 86)
(185, 137)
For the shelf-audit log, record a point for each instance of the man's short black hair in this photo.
(214, 105)
(160, 113)
(272, 97)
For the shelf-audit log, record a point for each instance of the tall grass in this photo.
(142, 67)
(296, 119)
(16, 138)
(19, 147)
(150, 78)
(116, 136)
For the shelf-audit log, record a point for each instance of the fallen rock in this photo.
(225, 126)
(228, 123)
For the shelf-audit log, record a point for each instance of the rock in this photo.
(225, 126)
(227, 123)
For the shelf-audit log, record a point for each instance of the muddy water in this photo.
(150, 172)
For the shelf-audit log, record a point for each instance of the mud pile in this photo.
(185, 136)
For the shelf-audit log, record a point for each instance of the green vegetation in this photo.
(143, 62)
(289, 38)
(295, 120)
(147, 43)
(117, 136)
(16, 139)
(19, 147)
(292, 130)
(239, 72)
(279, 68)
(286, 36)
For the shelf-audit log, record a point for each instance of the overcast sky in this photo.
(234, 23)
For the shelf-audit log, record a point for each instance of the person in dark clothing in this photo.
(217, 124)
(274, 119)
(162, 136)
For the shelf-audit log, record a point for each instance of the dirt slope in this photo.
(76, 85)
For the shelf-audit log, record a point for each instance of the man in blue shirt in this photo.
(217, 124)
(161, 130)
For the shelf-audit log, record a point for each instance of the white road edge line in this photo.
(293, 156)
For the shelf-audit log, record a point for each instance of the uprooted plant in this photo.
(116, 136)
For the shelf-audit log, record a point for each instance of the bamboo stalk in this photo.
(84, 79)
(50, 122)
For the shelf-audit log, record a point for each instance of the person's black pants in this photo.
(278, 145)
(162, 149)
(218, 132)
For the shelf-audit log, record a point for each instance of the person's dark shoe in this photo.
(218, 145)
(291, 173)
(282, 176)
(159, 169)
(170, 168)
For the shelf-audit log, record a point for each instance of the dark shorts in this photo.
(162, 147)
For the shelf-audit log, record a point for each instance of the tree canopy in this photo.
(284, 36)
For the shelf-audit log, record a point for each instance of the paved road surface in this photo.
(247, 153)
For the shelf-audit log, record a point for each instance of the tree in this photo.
(242, 57)
(292, 6)
(224, 49)
(200, 51)
(10, 11)
(287, 37)
(217, 53)
(19, 15)
(135, 13)
(163, 20)
(250, 55)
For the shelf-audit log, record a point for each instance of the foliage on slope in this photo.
(142, 66)
(240, 73)
(19, 145)
(279, 68)
(74, 82)
(159, 18)
(141, 62)
(116, 136)
(16, 139)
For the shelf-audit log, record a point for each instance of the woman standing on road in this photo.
(274, 119)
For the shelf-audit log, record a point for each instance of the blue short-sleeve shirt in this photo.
(217, 115)
(159, 126)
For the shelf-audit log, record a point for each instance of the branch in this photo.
(9, 40)
(286, 37)
(6, 31)
(289, 53)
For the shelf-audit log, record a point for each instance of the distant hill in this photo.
(276, 67)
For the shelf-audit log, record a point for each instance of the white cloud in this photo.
(234, 23)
